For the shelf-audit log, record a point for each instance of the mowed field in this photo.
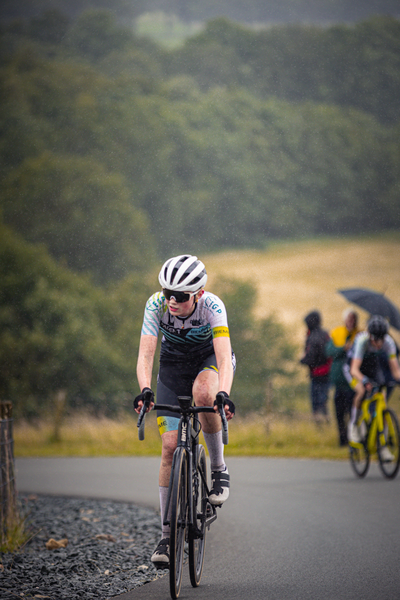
(293, 278)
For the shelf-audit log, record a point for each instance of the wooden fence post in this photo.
(8, 499)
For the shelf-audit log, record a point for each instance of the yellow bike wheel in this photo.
(359, 459)
(390, 467)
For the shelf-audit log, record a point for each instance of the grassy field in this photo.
(254, 436)
(257, 435)
(296, 277)
(291, 279)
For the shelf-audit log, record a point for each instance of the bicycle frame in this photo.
(372, 416)
(188, 439)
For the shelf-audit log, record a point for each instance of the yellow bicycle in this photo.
(379, 427)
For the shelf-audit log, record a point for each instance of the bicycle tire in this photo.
(179, 509)
(392, 436)
(197, 543)
(360, 459)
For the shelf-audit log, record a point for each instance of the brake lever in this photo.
(147, 396)
(220, 404)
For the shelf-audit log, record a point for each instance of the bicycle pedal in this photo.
(209, 510)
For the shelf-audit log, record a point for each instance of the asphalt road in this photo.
(291, 530)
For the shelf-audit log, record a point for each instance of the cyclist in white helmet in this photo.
(363, 365)
(196, 359)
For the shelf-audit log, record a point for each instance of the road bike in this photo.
(188, 512)
(379, 427)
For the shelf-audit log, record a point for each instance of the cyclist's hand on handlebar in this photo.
(367, 384)
(229, 406)
(146, 394)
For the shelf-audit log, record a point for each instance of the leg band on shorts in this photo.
(167, 424)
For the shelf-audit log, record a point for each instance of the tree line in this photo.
(251, 11)
(115, 153)
(237, 138)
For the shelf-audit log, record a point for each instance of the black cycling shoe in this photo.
(160, 556)
(220, 487)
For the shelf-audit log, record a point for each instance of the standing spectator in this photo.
(342, 338)
(319, 364)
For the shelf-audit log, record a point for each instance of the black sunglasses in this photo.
(179, 297)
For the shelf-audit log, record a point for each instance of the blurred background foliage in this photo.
(116, 152)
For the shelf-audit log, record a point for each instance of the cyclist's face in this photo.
(183, 309)
(180, 309)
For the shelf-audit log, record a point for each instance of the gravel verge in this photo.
(108, 550)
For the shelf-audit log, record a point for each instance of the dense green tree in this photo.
(81, 212)
(354, 66)
(95, 34)
(51, 337)
(60, 333)
(265, 357)
(50, 27)
(210, 164)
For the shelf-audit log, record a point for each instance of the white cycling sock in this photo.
(354, 415)
(166, 529)
(215, 450)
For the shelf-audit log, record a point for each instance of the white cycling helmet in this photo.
(183, 273)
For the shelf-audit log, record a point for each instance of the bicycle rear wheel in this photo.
(360, 459)
(179, 509)
(392, 437)
(197, 539)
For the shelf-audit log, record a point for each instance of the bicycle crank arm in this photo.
(211, 515)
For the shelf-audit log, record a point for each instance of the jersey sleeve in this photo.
(360, 345)
(389, 346)
(153, 313)
(216, 315)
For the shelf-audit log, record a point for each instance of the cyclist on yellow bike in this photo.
(363, 365)
(196, 359)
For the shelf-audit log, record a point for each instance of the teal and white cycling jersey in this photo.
(363, 347)
(190, 335)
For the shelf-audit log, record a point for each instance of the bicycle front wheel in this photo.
(359, 459)
(197, 536)
(390, 466)
(179, 509)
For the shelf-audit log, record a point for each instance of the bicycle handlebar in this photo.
(192, 409)
(177, 409)
(220, 404)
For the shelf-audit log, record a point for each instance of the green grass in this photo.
(256, 435)
(253, 436)
(14, 533)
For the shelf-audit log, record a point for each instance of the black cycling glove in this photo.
(141, 396)
(227, 401)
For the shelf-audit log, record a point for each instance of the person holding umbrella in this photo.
(363, 365)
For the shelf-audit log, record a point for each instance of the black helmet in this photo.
(377, 327)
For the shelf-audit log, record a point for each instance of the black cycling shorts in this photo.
(176, 379)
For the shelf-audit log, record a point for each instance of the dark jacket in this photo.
(315, 356)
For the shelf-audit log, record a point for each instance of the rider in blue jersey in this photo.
(196, 359)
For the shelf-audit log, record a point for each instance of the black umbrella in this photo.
(374, 303)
